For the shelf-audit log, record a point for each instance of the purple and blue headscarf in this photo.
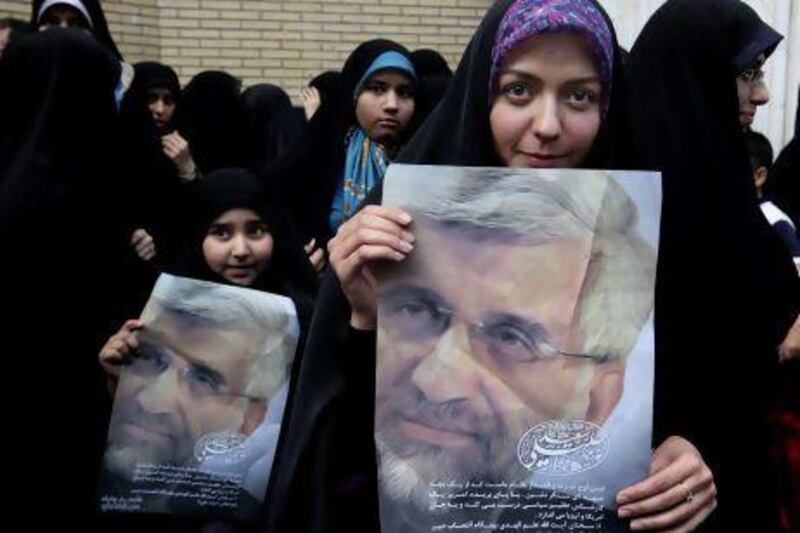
(529, 18)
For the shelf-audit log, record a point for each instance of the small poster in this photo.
(198, 410)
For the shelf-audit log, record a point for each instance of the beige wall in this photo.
(286, 43)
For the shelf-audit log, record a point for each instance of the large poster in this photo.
(515, 349)
(197, 412)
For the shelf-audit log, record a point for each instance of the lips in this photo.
(447, 437)
(540, 160)
(147, 433)
(389, 123)
(241, 268)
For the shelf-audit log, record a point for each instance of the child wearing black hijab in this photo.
(234, 233)
(725, 295)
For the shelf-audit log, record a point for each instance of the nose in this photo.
(390, 103)
(159, 395)
(449, 371)
(240, 249)
(760, 93)
(158, 107)
(546, 123)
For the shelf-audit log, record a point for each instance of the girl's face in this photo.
(238, 246)
(546, 113)
(385, 106)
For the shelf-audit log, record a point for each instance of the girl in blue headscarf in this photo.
(350, 141)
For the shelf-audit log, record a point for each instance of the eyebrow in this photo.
(410, 290)
(529, 76)
(219, 225)
(255, 222)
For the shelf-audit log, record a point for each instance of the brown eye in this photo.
(582, 98)
(375, 88)
(405, 92)
(517, 93)
(220, 231)
(257, 229)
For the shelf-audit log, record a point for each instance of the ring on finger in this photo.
(689, 494)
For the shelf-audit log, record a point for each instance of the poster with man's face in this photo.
(515, 348)
(198, 409)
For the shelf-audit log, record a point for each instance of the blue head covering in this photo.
(366, 160)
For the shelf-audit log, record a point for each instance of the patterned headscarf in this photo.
(529, 18)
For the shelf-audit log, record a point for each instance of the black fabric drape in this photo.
(783, 183)
(208, 118)
(724, 296)
(64, 272)
(434, 78)
(270, 127)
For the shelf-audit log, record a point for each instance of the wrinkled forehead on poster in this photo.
(536, 207)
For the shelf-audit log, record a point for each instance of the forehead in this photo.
(63, 11)
(237, 215)
(229, 351)
(159, 91)
(563, 52)
(540, 282)
(490, 249)
(390, 77)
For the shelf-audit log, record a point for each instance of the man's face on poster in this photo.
(472, 354)
(186, 382)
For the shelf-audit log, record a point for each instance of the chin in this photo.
(402, 479)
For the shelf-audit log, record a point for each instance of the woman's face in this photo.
(238, 246)
(161, 104)
(752, 90)
(385, 106)
(546, 113)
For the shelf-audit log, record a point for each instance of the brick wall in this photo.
(281, 42)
